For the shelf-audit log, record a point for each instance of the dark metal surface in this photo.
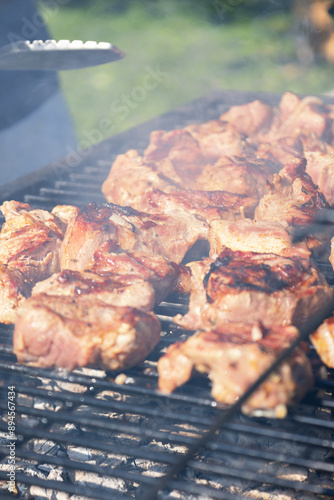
(85, 434)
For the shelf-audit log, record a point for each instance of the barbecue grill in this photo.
(91, 434)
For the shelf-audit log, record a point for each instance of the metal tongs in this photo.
(55, 56)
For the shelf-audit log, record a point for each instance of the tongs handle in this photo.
(55, 56)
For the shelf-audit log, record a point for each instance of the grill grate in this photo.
(83, 435)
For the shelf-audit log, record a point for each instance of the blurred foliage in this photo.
(216, 11)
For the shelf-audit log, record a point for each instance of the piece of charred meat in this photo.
(249, 235)
(109, 288)
(234, 357)
(243, 175)
(117, 188)
(218, 138)
(168, 235)
(176, 154)
(320, 167)
(152, 192)
(160, 272)
(323, 341)
(209, 205)
(254, 287)
(293, 197)
(66, 332)
(249, 119)
(30, 243)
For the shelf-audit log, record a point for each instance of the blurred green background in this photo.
(189, 46)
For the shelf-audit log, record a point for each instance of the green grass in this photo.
(195, 56)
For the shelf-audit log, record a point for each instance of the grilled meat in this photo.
(176, 154)
(293, 197)
(254, 287)
(244, 175)
(169, 235)
(117, 188)
(320, 167)
(234, 357)
(323, 341)
(250, 235)
(209, 205)
(304, 116)
(157, 270)
(155, 193)
(67, 332)
(15, 287)
(218, 138)
(249, 119)
(300, 125)
(110, 288)
(30, 243)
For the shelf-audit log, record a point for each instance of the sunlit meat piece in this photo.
(30, 243)
(129, 179)
(209, 205)
(300, 125)
(112, 289)
(323, 341)
(293, 197)
(176, 154)
(254, 287)
(218, 138)
(320, 167)
(234, 358)
(249, 119)
(161, 273)
(306, 115)
(15, 287)
(331, 257)
(63, 332)
(279, 149)
(244, 175)
(153, 193)
(249, 235)
(169, 235)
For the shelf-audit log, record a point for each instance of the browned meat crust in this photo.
(161, 273)
(249, 235)
(209, 205)
(253, 287)
(152, 192)
(59, 331)
(169, 235)
(293, 197)
(234, 358)
(320, 167)
(323, 341)
(249, 119)
(110, 288)
(30, 243)
(244, 175)
(15, 287)
(218, 138)
(117, 188)
(175, 154)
